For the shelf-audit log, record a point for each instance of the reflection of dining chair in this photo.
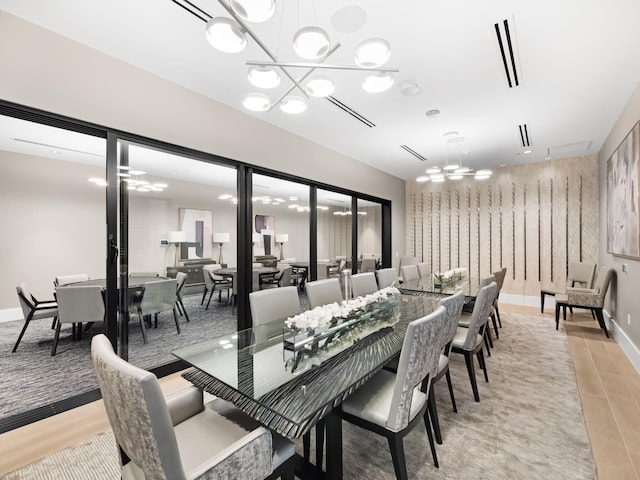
(280, 279)
(143, 274)
(409, 272)
(368, 265)
(386, 277)
(468, 341)
(323, 292)
(159, 296)
(424, 270)
(337, 271)
(135, 295)
(180, 437)
(33, 309)
(215, 282)
(181, 278)
(67, 279)
(363, 284)
(588, 298)
(392, 404)
(77, 305)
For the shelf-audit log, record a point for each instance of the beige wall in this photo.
(47, 71)
(533, 219)
(624, 300)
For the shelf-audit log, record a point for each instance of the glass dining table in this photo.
(429, 286)
(253, 369)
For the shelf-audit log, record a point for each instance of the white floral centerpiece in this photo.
(450, 277)
(339, 324)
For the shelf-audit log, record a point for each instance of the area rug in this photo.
(528, 424)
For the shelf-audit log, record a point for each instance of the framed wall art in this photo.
(623, 217)
(197, 224)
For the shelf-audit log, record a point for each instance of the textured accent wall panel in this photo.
(533, 219)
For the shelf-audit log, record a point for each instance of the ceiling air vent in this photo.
(524, 135)
(506, 45)
(351, 111)
(414, 153)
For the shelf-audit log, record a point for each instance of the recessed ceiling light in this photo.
(450, 135)
(432, 113)
(526, 151)
(410, 89)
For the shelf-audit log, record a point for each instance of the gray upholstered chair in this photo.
(467, 314)
(386, 277)
(159, 296)
(280, 279)
(579, 274)
(424, 269)
(181, 278)
(322, 292)
(588, 298)
(500, 276)
(368, 265)
(409, 272)
(363, 284)
(33, 309)
(273, 304)
(214, 282)
(468, 341)
(78, 305)
(180, 437)
(392, 404)
(337, 271)
(453, 306)
(67, 279)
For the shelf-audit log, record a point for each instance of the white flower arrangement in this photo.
(325, 315)
(451, 276)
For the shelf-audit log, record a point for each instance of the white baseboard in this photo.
(526, 300)
(10, 314)
(628, 347)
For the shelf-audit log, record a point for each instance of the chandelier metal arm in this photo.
(301, 79)
(264, 48)
(318, 65)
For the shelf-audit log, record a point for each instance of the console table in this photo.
(193, 271)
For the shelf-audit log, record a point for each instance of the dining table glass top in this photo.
(431, 285)
(288, 388)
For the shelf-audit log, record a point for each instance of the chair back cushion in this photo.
(285, 276)
(323, 292)
(181, 278)
(424, 269)
(386, 277)
(481, 310)
(499, 277)
(418, 358)
(453, 305)
(79, 304)
(409, 272)
(581, 274)
(363, 283)
(206, 275)
(137, 412)
(368, 265)
(26, 302)
(67, 279)
(159, 296)
(274, 304)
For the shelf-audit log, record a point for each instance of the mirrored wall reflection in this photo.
(369, 235)
(53, 226)
(280, 232)
(181, 221)
(334, 233)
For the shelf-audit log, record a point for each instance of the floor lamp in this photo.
(177, 237)
(220, 238)
(282, 238)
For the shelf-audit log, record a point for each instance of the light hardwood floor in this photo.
(609, 388)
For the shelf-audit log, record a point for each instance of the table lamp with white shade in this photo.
(177, 237)
(256, 238)
(282, 238)
(221, 238)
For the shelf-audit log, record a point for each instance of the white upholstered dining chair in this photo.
(363, 284)
(323, 292)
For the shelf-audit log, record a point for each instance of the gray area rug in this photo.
(528, 424)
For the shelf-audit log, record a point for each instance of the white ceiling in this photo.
(577, 62)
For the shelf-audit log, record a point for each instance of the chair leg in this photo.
(432, 445)
(184, 310)
(498, 315)
(319, 443)
(495, 325)
(432, 410)
(598, 312)
(306, 446)
(211, 295)
(557, 315)
(483, 365)
(397, 454)
(24, 329)
(468, 358)
(542, 294)
(142, 327)
(485, 334)
(204, 295)
(175, 317)
(453, 398)
(54, 347)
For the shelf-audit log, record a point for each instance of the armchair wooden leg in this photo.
(453, 398)
(468, 358)
(600, 317)
(397, 454)
(24, 329)
(432, 445)
(432, 410)
(557, 315)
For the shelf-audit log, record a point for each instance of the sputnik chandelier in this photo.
(230, 35)
(452, 169)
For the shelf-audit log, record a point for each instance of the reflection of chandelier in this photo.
(452, 168)
(134, 179)
(231, 35)
(345, 212)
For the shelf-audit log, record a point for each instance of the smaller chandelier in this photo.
(257, 102)
(311, 43)
(226, 35)
(256, 11)
(263, 77)
(320, 87)
(372, 53)
(293, 104)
